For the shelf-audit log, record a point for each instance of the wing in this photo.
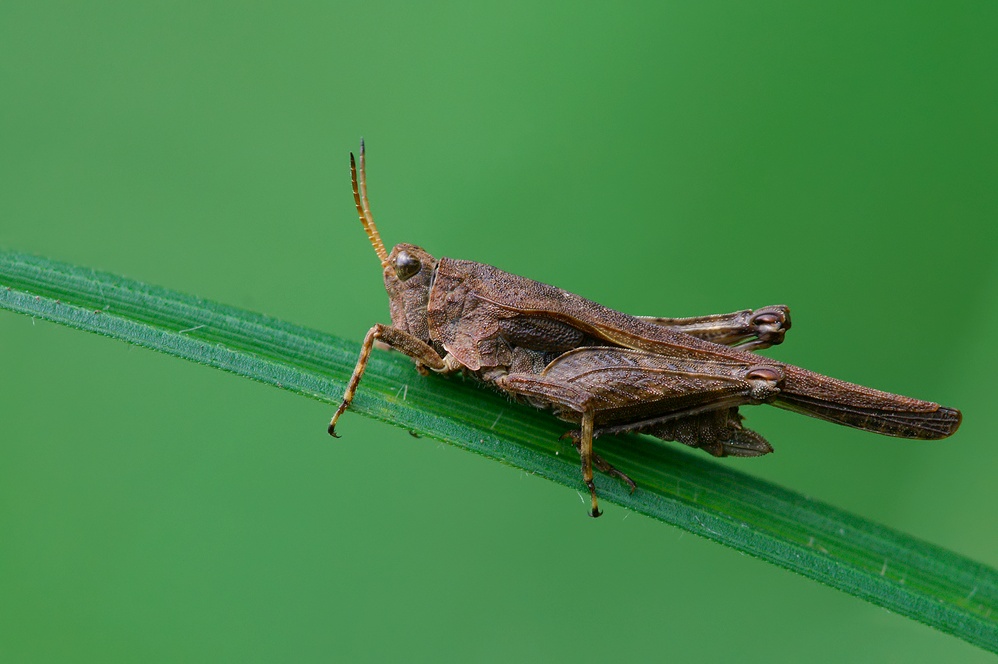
(477, 312)
(864, 408)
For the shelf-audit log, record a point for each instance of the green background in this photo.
(661, 158)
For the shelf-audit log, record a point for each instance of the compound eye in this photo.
(406, 266)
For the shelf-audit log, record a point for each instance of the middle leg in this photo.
(564, 398)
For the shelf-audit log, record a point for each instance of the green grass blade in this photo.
(883, 566)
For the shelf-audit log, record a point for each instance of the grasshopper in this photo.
(678, 379)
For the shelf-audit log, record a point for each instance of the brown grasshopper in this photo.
(679, 379)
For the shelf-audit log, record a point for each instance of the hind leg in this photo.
(749, 329)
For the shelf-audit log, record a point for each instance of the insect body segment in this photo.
(680, 379)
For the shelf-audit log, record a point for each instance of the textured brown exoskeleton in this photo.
(677, 379)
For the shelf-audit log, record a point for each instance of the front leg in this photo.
(402, 341)
(748, 329)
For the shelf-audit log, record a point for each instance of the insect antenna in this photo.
(364, 208)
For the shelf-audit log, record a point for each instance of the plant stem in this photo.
(883, 566)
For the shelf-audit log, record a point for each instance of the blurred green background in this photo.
(661, 158)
